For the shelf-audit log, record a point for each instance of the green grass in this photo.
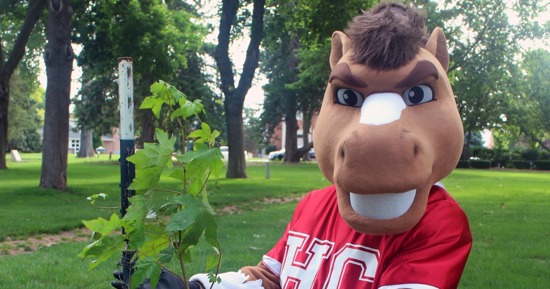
(508, 212)
(510, 221)
(26, 209)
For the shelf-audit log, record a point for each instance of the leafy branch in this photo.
(158, 234)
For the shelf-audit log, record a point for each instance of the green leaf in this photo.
(177, 95)
(204, 135)
(211, 230)
(153, 103)
(158, 88)
(186, 217)
(151, 161)
(155, 154)
(166, 255)
(199, 164)
(211, 262)
(146, 178)
(177, 173)
(134, 220)
(154, 247)
(102, 226)
(102, 249)
(146, 267)
(94, 197)
(187, 108)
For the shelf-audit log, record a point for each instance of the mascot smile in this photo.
(388, 131)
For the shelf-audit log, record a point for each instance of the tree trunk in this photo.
(6, 70)
(466, 154)
(4, 102)
(291, 145)
(86, 144)
(306, 125)
(86, 133)
(58, 58)
(234, 122)
(234, 96)
(291, 134)
(147, 123)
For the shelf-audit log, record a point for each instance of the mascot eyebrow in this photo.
(422, 70)
(341, 71)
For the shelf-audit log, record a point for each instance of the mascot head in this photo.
(388, 128)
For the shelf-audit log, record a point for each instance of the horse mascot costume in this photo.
(387, 132)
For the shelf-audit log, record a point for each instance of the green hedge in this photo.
(542, 165)
(480, 164)
(519, 164)
(463, 164)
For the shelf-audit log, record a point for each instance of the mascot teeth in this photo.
(382, 206)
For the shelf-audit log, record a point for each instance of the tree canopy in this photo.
(530, 111)
(297, 45)
(484, 45)
(18, 21)
(160, 36)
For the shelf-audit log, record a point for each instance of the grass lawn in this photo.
(508, 211)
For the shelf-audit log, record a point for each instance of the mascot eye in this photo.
(418, 95)
(349, 97)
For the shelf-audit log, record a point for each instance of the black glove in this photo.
(167, 281)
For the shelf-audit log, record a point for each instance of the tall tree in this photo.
(58, 57)
(483, 45)
(531, 112)
(86, 129)
(235, 95)
(297, 48)
(158, 35)
(9, 64)
(26, 111)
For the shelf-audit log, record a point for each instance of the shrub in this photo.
(463, 164)
(501, 158)
(270, 148)
(484, 153)
(519, 164)
(480, 164)
(530, 154)
(542, 165)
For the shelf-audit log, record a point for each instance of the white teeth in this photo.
(382, 206)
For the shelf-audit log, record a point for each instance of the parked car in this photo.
(225, 152)
(276, 155)
(312, 154)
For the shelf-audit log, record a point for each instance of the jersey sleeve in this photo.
(434, 253)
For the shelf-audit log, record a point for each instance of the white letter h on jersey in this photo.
(300, 266)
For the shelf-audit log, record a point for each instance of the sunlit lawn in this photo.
(509, 214)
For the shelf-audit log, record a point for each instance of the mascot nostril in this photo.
(386, 222)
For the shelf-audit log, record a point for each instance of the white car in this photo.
(279, 155)
(225, 152)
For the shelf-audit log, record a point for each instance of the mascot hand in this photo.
(167, 281)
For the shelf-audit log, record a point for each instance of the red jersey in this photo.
(320, 251)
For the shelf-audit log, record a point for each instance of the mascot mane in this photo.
(387, 37)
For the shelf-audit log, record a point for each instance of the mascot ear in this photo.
(437, 46)
(340, 44)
